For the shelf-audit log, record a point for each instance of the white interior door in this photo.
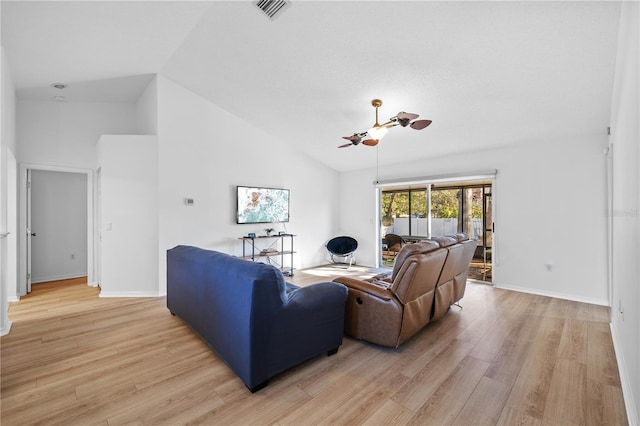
(30, 234)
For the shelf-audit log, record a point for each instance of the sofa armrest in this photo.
(316, 296)
(311, 321)
(378, 290)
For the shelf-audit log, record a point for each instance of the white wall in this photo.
(129, 217)
(205, 152)
(59, 219)
(625, 139)
(64, 134)
(8, 204)
(536, 184)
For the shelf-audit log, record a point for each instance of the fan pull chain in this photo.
(377, 165)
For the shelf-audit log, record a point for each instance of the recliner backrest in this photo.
(454, 258)
(416, 270)
(452, 282)
(411, 250)
(460, 280)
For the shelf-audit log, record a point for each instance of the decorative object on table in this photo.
(251, 235)
(268, 231)
(377, 132)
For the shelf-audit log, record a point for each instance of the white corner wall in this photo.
(625, 140)
(147, 109)
(205, 152)
(549, 204)
(128, 192)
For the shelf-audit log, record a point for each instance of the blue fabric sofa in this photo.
(255, 321)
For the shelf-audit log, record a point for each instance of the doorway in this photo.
(80, 258)
(58, 225)
(410, 213)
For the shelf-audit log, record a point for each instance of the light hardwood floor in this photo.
(506, 358)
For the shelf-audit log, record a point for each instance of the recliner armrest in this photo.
(384, 276)
(365, 286)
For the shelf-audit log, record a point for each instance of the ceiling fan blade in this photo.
(407, 115)
(351, 138)
(345, 145)
(370, 142)
(420, 124)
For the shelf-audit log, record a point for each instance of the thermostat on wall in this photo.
(188, 201)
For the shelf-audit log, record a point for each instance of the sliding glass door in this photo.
(417, 212)
(404, 217)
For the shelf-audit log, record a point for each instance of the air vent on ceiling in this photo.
(272, 8)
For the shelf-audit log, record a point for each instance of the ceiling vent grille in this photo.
(272, 8)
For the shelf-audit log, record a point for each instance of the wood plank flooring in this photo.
(506, 358)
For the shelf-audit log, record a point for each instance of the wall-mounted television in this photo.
(262, 205)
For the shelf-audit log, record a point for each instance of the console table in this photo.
(269, 252)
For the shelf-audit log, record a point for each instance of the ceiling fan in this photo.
(374, 134)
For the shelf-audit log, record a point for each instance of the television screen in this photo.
(262, 205)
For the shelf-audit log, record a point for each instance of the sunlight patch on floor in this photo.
(344, 270)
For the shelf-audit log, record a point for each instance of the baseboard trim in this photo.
(13, 299)
(128, 294)
(5, 330)
(629, 403)
(553, 294)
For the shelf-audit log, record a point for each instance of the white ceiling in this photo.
(487, 73)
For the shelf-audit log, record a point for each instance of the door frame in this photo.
(23, 215)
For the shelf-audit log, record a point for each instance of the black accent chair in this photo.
(342, 247)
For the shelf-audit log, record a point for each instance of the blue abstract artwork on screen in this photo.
(262, 205)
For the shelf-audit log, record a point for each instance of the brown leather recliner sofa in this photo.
(453, 278)
(427, 278)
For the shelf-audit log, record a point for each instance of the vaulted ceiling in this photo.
(487, 73)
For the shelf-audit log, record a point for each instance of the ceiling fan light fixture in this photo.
(377, 132)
